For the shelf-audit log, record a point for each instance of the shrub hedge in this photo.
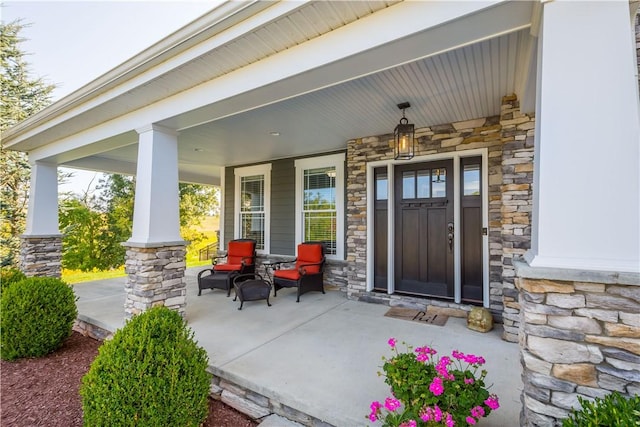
(9, 275)
(152, 373)
(37, 316)
(612, 410)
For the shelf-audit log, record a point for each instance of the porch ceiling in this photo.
(320, 110)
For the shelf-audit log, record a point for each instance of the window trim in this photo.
(265, 170)
(333, 160)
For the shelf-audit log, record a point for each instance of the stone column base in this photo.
(155, 278)
(580, 336)
(41, 255)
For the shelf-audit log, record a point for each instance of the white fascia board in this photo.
(325, 50)
(144, 67)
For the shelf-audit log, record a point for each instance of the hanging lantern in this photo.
(404, 136)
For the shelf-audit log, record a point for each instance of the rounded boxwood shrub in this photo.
(152, 373)
(37, 316)
(9, 275)
(612, 410)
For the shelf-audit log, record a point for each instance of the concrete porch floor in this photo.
(320, 356)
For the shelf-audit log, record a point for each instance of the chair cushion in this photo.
(309, 254)
(238, 250)
(287, 274)
(227, 267)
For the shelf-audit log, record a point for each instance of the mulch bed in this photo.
(44, 391)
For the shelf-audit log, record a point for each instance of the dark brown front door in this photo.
(424, 251)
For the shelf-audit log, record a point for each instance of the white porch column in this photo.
(42, 216)
(156, 213)
(41, 245)
(155, 260)
(579, 290)
(587, 160)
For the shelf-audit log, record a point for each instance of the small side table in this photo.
(269, 267)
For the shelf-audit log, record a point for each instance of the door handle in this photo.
(450, 235)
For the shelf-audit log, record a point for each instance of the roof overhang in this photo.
(319, 73)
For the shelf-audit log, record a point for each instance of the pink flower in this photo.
(469, 381)
(375, 408)
(449, 421)
(437, 414)
(477, 412)
(492, 402)
(423, 353)
(442, 370)
(391, 404)
(436, 386)
(392, 342)
(470, 420)
(410, 423)
(427, 414)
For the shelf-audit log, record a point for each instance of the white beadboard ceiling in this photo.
(460, 84)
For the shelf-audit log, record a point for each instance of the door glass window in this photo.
(409, 185)
(424, 190)
(381, 186)
(439, 182)
(471, 180)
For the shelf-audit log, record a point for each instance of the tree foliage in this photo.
(95, 226)
(21, 96)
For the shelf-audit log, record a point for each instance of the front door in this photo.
(424, 218)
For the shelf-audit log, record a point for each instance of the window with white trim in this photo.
(320, 202)
(252, 205)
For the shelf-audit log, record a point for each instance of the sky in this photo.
(71, 43)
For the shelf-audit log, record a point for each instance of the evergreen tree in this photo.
(21, 96)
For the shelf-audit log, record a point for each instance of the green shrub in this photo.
(612, 410)
(152, 373)
(9, 275)
(37, 316)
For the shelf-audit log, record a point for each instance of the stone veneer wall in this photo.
(580, 337)
(41, 256)
(155, 276)
(509, 141)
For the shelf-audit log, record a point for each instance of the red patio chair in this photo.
(240, 259)
(308, 273)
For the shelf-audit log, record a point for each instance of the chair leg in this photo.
(268, 303)
(199, 291)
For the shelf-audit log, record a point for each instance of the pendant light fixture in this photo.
(403, 136)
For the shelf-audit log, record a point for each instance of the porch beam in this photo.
(587, 158)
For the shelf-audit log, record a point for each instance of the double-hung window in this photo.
(252, 204)
(320, 202)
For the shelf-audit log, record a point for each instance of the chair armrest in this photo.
(244, 258)
(303, 271)
(276, 265)
(214, 260)
(210, 270)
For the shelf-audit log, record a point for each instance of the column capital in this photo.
(157, 128)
